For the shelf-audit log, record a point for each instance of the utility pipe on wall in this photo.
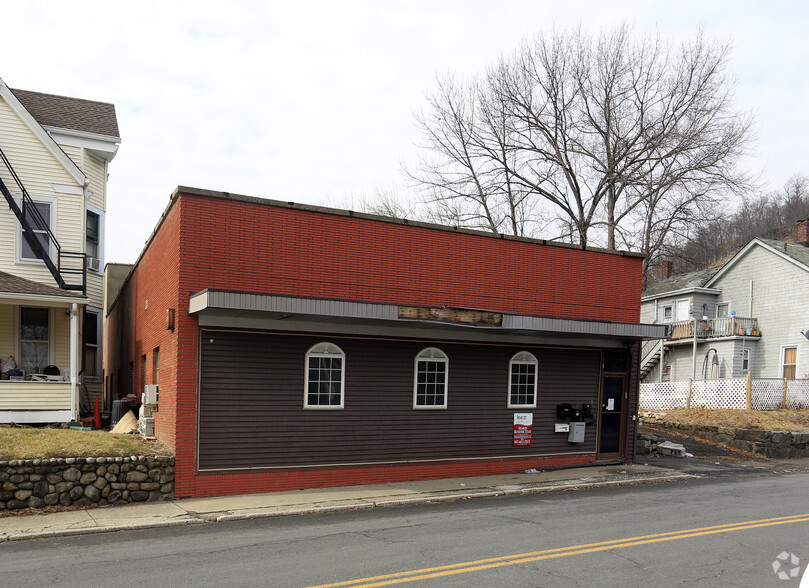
(694, 351)
(750, 309)
(74, 360)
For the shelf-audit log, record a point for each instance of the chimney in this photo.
(668, 269)
(802, 237)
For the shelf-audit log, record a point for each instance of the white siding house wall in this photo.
(648, 314)
(96, 169)
(39, 171)
(780, 303)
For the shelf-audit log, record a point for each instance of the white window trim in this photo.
(523, 358)
(716, 310)
(663, 318)
(101, 228)
(45, 200)
(17, 339)
(782, 357)
(747, 356)
(330, 350)
(99, 345)
(436, 355)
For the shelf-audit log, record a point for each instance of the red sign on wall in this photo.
(523, 429)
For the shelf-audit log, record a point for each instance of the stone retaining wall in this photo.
(767, 443)
(85, 481)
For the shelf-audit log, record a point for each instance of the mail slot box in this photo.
(576, 434)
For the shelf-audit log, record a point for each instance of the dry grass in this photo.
(33, 443)
(769, 420)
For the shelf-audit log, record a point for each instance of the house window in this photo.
(722, 310)
(789, 364)
(668, 314)
(522, 381)
(90, 331)
(39, 218)
(142, 373)
(156, 366)
(745, 361)
(430, 387)
(34, 339)
(92, 236)
(325, 376)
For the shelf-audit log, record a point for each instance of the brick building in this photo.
(297, 346)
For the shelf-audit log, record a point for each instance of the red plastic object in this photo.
(97, 416)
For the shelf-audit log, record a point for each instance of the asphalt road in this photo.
(724, 530)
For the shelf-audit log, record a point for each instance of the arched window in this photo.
(522, 380)
(325, 377)
(430, 381)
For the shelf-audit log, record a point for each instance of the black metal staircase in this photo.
(69, 265)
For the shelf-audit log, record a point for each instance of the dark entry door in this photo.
(610, 443)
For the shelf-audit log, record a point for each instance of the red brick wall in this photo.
(802, 236)
(258, 248)
(135, 330)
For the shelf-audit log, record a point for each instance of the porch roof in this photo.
(12, 286)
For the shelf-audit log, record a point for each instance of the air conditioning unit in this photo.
(150, 393)
(93, 263)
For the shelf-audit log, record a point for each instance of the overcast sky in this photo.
(313, 101)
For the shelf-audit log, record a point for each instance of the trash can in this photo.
(119, 409)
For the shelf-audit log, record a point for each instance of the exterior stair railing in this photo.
(70, 265)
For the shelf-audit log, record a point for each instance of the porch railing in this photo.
(715, 327)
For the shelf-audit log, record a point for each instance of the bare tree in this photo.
(466, 176)
(617, 140)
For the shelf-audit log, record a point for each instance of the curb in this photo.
(197, 518)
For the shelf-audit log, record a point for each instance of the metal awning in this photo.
(228, 309)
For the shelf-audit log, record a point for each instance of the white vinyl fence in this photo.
(764, 394)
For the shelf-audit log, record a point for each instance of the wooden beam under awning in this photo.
(450, 314)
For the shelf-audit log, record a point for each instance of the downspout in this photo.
(694, 352)
(74, 360)
(750, 309)
(660, 369)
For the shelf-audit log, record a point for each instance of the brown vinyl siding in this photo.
(251, 411)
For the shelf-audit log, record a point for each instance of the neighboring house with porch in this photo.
(748, 316)
(54, 154)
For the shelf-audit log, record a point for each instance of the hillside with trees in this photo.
(713, 240)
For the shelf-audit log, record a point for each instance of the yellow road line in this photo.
(508, 560)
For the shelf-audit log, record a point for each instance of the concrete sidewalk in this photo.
(191, 511)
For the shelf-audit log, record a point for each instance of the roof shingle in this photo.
(687, 281)
(799, 253)
(70, 113)
(11, 284)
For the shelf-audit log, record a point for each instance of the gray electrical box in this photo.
(576, 434)
(146, 427)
